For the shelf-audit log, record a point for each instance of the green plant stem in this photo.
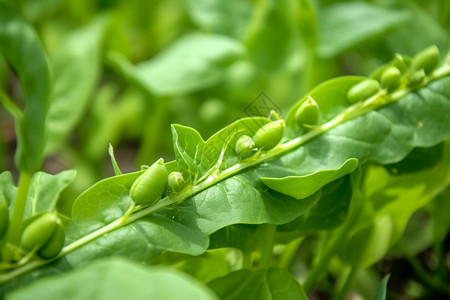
(423, 274)
(349, 280)
(358, 109)
(287, 258)
(15, 225)
(10, 106)
(247, 259)
(331, 247)
(439, 251)
(267, 243)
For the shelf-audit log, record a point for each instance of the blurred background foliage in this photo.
(123, 71)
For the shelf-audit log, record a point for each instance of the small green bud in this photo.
(363, 90)
(175, 182)
(244, 146)
(54, 244)
(402, 63)
(307, 115)
(270, 135)
(427, 59)
(390, 79)
(39, 231)
(417, 77)
(4, 217)
(148, 188)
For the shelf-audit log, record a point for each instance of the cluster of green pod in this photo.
(402, 71)
(150, 186)
(266, 138)
(44, 235)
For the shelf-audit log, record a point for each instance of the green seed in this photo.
(417, 77)
(148, 188)
(39, 231)
(4, 217)
(363, 90)
(175, 182)
(307, 114)
(244, 146)
(55, 243)
(427, 59)
(269, 135)
(390, 79)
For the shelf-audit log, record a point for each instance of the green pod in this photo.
(390, 79)
(427, 59)
(363, 90)
(148, 188)
(4, 217)
(175, 182)
(417, 77)
(307, 115)
(270, 135)
(244, 146)
(54, 244)
(39, 231)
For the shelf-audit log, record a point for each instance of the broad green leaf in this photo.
(241, 199)
(417, 160)
(223, 17)
(206, 267)
(193, 62)
(344, 25)
(390, 204)
(45, 190)
(115, 278)
(7, 188)
(195, 156)
(143, 240)
(21, 47)
(188, 147)
(401, 195)
(272, 283)
(76, 68)
(301, 187)
(368, 242)
(381, 290)
(225, 140)
(240, 236)
(329, 212)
